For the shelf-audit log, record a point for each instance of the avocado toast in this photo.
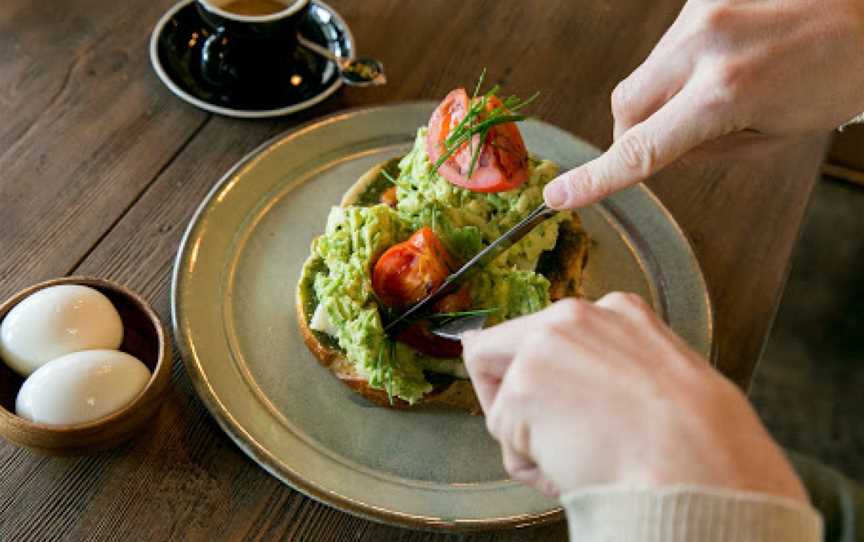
(397, 230)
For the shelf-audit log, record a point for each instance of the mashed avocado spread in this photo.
(465, 222)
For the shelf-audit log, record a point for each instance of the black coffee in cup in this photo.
(250, 52)
(254, 7)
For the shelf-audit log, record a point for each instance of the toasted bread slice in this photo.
(562, 266)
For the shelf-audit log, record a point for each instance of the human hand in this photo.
(584, 394)
(729, 78)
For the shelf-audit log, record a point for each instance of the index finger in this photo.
(489, 353)
(679, 126)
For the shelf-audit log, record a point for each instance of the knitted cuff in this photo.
(687, 513)
(857, 120)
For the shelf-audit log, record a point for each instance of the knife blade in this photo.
(454, 329)
(495, 248)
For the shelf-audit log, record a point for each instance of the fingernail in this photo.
(555, 193)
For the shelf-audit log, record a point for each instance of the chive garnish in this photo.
(478, 122)
(388, 176)
(461, 314)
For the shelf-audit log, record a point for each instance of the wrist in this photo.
(729, 447)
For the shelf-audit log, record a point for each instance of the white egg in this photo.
(81, 387)
(55, 321)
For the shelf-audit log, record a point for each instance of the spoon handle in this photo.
(323, 51)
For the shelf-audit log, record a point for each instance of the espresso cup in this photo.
(251, 57)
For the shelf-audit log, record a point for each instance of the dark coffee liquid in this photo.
(254, 7)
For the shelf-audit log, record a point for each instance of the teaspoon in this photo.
(358, 72)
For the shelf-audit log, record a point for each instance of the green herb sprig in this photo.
(478, 121)
(388, 176)
(460, 314)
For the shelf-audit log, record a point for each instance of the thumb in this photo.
(646, 148)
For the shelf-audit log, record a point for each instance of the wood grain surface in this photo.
(101, 169)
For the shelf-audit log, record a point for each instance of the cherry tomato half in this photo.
(418, 337)
(409, 271)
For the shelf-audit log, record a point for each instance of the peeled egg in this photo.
(55, 321)
(81, 387)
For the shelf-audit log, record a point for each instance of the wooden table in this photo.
(101, 169)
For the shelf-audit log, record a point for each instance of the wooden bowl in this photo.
(144, 336)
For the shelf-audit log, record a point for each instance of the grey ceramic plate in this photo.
(234, 320)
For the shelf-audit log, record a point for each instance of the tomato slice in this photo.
(503, 160)
(460, 300)
(409, 271)
(446, 116)
(418, 337)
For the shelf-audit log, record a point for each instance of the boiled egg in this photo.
(320, 321)
(55, 321)
(81, 387)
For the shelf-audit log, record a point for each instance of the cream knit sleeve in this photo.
(687, 513)
(857, 120)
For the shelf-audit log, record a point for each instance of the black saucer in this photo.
(175, 53)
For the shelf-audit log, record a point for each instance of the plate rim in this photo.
(262, 457)
(163, 76)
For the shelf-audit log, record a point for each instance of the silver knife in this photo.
(507, 239)
(455, 328)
